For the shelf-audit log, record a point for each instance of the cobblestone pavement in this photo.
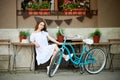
(61, 75)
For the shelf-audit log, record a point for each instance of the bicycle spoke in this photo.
(54, 64)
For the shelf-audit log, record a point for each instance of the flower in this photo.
(83, 4)
(37, 6)
(75, 4)
(67, 2)
(33, 5)
(45, 4)
(60, 31)
(68, 5)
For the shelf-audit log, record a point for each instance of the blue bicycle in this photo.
(92, 60)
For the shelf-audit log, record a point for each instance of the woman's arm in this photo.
(53, 40)
(36, 44)
(32, 40)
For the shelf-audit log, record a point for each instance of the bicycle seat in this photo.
(88, 41)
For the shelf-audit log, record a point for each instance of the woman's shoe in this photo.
(67, 58)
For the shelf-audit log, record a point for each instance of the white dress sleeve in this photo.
(32, 38)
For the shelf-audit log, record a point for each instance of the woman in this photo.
(44, 51)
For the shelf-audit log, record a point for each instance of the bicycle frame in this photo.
(93, 60)
(78, 60)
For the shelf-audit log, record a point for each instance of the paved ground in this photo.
(61, 75)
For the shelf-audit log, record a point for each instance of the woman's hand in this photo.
(60, 43)
(53, 40)
(37, 45)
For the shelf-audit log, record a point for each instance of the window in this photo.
(56, 6)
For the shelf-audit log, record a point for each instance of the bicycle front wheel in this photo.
(96, 60)
(54, 64)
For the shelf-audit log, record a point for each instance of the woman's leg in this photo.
(66, 57)
(54, 52)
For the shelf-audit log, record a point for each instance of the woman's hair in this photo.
(36, 27)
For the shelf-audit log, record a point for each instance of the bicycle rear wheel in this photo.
(97, 60)
(54, 64)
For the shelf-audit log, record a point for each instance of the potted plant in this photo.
(60, 36)
(96, 35)
(23, 35)
(29, 7)
(74, 7)
(67, 7)
(81, 7)
(44, 8)
(33, 8)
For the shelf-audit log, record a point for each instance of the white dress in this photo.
(44, 52)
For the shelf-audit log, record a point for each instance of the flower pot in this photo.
(67, 12)
(22, 37)
(60, 38)
(30, 11)
(96, 39)
(81, 11)
(35, 12)
(44, 11)
(75, 11)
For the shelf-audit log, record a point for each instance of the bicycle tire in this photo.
(54, 64)
(100, 57)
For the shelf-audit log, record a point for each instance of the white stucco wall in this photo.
(12, 34)
(107, 33)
